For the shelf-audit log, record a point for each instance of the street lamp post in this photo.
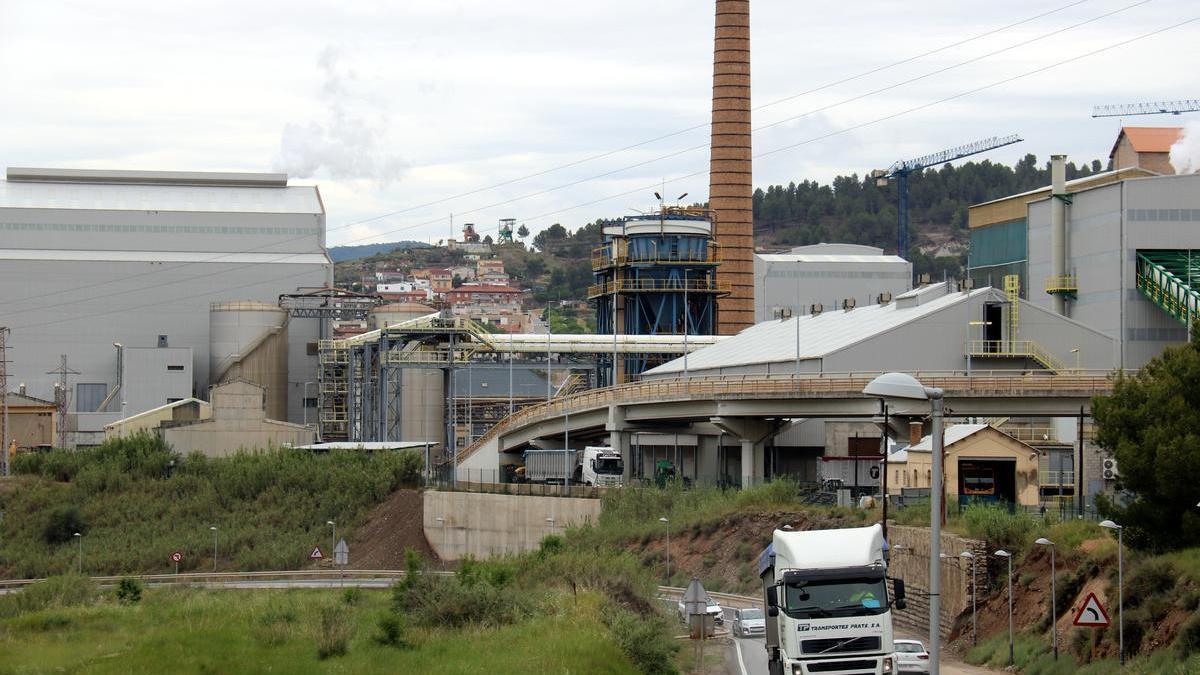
(214, 531)
(1011, 651)
(905, 386)
(666, 522)
(1120, 586)
(333, 539)
(1042, 541)
(974, 627)
(79, 537)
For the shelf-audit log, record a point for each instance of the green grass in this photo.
(1033, 657)
(187, 631)
(135, 501)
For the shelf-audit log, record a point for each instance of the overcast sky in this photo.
(390, 106)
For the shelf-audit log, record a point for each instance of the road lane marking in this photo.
(737, 646)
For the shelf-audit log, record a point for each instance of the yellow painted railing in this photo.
(1062, 283)
(1015, 349)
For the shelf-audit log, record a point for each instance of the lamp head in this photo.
(967, 554)
(1042, 541)
(1003, 554)
(896, 385)
(1109, 525)
(663, 520)
(329, 522)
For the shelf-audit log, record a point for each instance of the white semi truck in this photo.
(602, 466)
(828, 607)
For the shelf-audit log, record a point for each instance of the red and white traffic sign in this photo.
(177, 556)
(1091, 614)
(316, 554)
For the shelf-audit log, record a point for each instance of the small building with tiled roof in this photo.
(1145, 148)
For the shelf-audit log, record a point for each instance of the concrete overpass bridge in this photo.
(754, 408)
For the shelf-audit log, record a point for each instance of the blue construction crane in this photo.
(901, 169)
(1151, 108)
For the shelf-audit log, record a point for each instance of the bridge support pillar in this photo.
(618, 440)
(751, 432)
(707, 469)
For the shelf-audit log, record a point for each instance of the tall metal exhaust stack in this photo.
(731, 188)
(1058, 227)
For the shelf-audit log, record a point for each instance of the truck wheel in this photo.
(775, 667)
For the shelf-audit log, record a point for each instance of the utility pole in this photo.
(4, 431)
(62, 396)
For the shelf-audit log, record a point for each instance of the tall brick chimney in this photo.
(731, 189)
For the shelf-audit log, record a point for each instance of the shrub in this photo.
(391, 630)
(999, 527)
(69, 590)
(645, 639)
(129, 591)
(551, 544)
(61, 525)
(1187, 640)
(333, 632)
(1149, 579)
(352, 596)
(276, 624)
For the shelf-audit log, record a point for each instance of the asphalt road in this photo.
(748, 656)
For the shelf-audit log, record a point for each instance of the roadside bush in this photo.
(61, 525)
(645, 639)
(58, 592)
(333, 632)
(1187, 640)
(352, 596)
(276, 625)
(999, 527)
(391, 631)
(1154, 577)
(129, 591)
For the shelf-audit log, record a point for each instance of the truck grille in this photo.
(831, 646)
(866, 666)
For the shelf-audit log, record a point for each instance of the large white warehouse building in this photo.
(139, 258)
(824, 277)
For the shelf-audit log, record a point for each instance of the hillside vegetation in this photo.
(135, 501)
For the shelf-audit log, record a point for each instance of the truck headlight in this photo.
(797, 669)
(887, 664)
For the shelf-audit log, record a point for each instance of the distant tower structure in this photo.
(62, 397)
(4, 397)
(507, 226)
(655, 275)
(470, 236)
(731, 188)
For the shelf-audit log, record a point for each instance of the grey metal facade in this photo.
(826, 274)
(84, 265)
(1106, 226)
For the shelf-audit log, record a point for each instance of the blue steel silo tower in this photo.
(655, 275)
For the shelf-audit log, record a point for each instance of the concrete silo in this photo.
(249, 341)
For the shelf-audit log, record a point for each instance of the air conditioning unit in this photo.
(966, 284)
(923, 279)
(816, 308)
(782, 313)
(883, 298)
(848, 303)
(1111, 472)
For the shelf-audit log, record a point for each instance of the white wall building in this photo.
(89, 258)
(789, 284)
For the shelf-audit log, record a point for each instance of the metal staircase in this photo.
(1171, 280)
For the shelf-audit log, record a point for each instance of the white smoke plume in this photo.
(1185, 154)
(350, 142)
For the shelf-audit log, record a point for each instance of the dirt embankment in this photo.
(392, 526)
(724, 554)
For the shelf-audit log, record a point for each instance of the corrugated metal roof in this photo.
(832, 258)
(820, 334)
(1081, 183)
(954, 433)
(134, 197)
(162, 256)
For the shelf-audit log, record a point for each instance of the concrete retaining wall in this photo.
(483, 524)
(910, 561)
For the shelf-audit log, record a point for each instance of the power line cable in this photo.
(763, 154)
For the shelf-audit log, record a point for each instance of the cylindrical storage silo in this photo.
(248, 340)
(422, 405)
(396, 312)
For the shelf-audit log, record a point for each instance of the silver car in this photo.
(911, 657)
(749, 622)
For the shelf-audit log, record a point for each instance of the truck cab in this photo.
(602, 466)
(828, 605)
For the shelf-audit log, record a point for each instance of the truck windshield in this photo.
(827, 598)
(609, 465)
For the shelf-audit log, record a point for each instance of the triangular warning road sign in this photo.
(1091, 614)
(316, 554)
